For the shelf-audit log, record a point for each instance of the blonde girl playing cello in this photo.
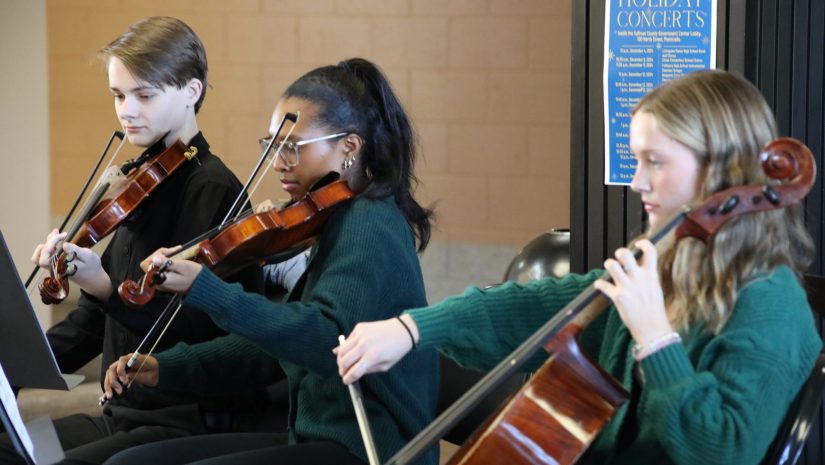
(713, 341)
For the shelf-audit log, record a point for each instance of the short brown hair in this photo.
(161, 50)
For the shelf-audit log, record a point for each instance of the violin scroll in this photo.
(137, 294)
(55, 288)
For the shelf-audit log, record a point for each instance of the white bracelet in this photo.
(642, 351)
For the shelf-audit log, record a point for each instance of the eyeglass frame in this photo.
(294, 146)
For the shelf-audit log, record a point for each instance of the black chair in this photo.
(793, 433)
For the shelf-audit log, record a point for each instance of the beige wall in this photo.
(485, 81)
(24, 130)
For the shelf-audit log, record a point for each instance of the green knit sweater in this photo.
(710, 400)
(363, 268)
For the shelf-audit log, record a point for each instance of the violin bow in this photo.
(168, 314)
(115, 134)
(287, 117)
(361, 415)
(235, 204)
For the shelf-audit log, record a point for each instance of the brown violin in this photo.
(110, 203)
(250, 239)
(555, 416)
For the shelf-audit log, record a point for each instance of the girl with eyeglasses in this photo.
(363, 267)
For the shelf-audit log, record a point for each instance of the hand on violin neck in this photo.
(637, 292)
(44, 252)
(178, 275)
(88, 273)
(159, 256)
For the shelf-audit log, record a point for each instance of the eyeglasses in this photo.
(288, 150)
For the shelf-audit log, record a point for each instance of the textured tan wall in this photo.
(486, 83)
(24, 177)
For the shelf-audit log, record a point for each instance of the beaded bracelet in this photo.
(642, 351)
(414, 345)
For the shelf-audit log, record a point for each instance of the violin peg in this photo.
(70, 270)
(158, 278)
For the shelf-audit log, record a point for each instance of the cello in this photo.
(557, 414)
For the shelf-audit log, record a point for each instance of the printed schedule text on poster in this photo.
(648, 42)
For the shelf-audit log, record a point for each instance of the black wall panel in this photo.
(777, 44)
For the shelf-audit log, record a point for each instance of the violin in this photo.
(253, 238)
(109, 204)
(555, 416)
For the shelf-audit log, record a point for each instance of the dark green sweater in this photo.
(710, 400)
(363, 268)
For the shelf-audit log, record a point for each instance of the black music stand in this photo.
(24, 350)
(39, 434)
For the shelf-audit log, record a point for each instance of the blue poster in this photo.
(648, 42)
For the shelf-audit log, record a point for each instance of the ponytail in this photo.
(356, 97)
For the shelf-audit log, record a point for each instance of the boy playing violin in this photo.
(158, 77)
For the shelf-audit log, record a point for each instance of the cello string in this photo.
(510, 364)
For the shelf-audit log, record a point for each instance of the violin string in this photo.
(37, 271)
(271, 161)
(240, 212)
(111, 160)
(100, 179)
(243, 193)
(211, 233)
(143, 280)
(185, 247)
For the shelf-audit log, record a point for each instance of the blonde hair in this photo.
(724, 120)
